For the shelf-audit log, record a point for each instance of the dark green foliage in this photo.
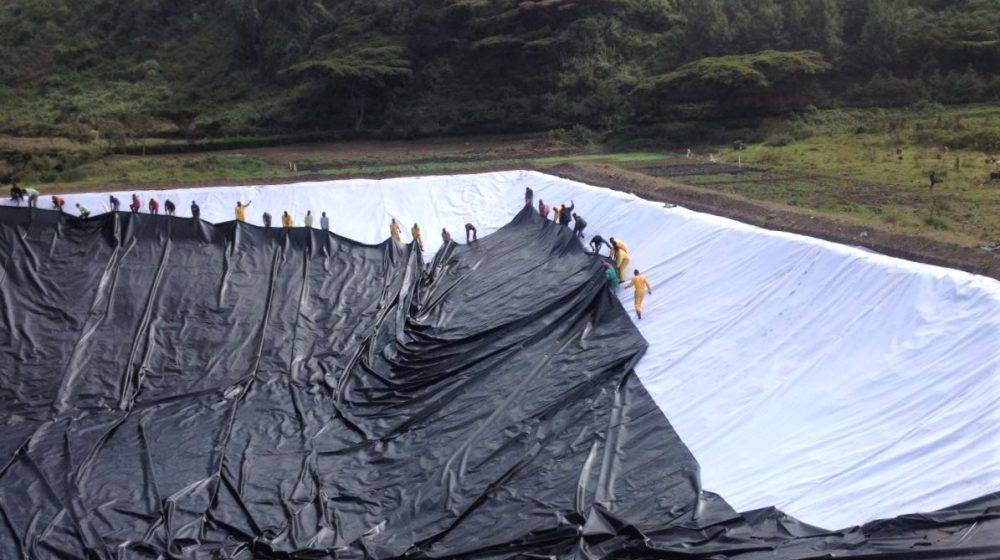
(764, 81)
(108, 73)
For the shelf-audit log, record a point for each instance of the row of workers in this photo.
(618, 259)
(287, 220)
(618, 250)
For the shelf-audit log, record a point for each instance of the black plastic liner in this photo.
(175, 389)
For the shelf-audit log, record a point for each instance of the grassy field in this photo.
(871, 166)
(864, 166)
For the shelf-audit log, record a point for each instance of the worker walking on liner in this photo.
(642, 287)
(395, 231)
(611, 275)
(241, 211)
(324, 222)
(286, 220)
(579, 224)
(415, 232)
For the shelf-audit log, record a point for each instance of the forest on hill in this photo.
(186, 69)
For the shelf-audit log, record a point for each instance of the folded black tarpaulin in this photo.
(175, 389)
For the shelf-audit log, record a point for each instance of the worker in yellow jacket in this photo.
(642, 287)
(619, 252)
(286, 220)
(395, 231)
(241, 211)
(415, 232)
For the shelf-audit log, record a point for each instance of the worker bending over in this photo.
(16, 194)
(596, 242)
(620, 256)
(641, 285)
(83, 210)
(154, 206)
(612, 277)
(58, 202)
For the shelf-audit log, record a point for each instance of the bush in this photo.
(958, 87)
(72, 176)
(579, 135)
(688, 133)
(938, 222)
(886, 90)
(983, 140)
(925, 106)
(779, 140)
(987, 141)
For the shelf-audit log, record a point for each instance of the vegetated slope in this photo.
(121, 70)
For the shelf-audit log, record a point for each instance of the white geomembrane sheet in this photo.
(836, 384)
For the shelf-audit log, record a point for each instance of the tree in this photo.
(883, 31)
(354, 55)
(707, 30)
(764, 81)
(815, 25)
(358, 68)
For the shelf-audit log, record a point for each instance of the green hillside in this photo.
(112, 73)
